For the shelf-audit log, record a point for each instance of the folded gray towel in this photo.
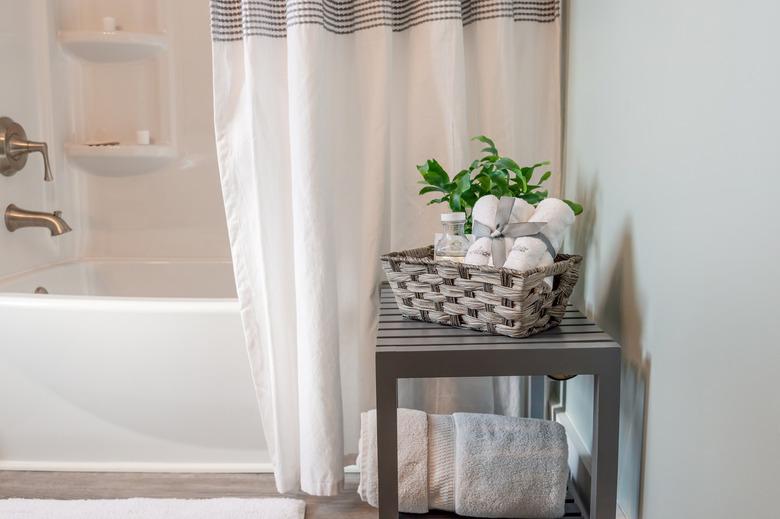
(509, 467)
(480, 465)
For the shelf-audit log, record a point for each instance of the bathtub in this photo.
(126, 365)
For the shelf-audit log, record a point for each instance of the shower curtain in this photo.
(322, 110)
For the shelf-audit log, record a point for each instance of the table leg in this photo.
(604, 458)
(387, 443)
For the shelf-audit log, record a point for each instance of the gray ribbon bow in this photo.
(504, 229)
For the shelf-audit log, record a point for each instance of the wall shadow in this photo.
(620, 314)
(611, 297)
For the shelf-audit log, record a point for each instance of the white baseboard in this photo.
(579, 454)
(205, 468)
(580, 461)
(59, 466)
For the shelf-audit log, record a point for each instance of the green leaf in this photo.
(491, 146)
(484, 182)
(501, 180)
(469, 197)
(455, 202)
(577, 208)
(546, 175)
(439, 200)
(484, 139)
(507, 163)
(523, 182)
(433, 173)
(534, 197)
(463, 184)
(460, 174)
(429, 189)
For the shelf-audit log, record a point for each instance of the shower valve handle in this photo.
(19, 146)
(14, 148)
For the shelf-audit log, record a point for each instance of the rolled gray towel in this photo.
(480, 465)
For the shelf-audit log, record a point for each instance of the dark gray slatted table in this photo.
(414, 349)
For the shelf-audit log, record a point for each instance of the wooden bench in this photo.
(414, 349)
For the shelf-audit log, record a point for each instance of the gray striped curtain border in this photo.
(237, 19)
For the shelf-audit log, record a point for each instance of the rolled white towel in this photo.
(522, 211)
(479, 252)
(484, 211)
(529, 252)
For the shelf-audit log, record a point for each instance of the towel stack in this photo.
(524, 252)
(478, 465)
(485, 211)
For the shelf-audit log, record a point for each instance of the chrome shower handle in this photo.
(14, 148)
(18, 146)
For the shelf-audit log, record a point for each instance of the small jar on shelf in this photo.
(453, 243)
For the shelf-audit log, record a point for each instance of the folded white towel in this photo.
(484, 211)
(529, 252)
(479, 465)
(412, 460)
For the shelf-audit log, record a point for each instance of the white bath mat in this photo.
(142, 508)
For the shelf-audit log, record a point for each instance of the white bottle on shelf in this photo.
(109, 24)
(143, 137)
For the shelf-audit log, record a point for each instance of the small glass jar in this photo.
(453, 244)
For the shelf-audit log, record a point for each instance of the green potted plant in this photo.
(489, 174)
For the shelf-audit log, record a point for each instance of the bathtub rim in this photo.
(115, 303)
(83, 301)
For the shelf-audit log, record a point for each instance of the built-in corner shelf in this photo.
(105, 47)
(123, 159)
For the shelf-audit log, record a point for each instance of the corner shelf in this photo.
(123, 159)
(108, 47)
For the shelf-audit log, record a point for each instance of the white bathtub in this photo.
(126, 365)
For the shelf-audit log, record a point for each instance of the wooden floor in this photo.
(112, 485)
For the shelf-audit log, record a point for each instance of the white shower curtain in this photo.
(322, 110)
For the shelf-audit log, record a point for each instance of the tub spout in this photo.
(16, 218)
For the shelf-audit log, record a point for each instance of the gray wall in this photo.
(673, 146)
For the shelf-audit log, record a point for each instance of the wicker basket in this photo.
(487, 299)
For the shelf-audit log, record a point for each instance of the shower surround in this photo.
(135, 360)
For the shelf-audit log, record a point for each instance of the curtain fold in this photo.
(322, 110)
